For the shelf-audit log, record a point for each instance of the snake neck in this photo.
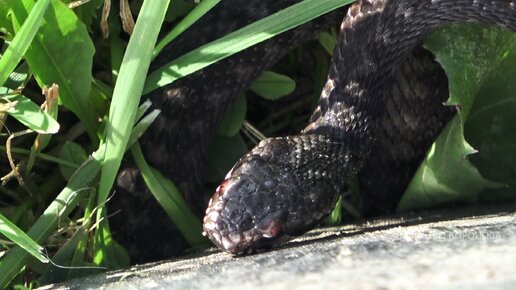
(377, 35)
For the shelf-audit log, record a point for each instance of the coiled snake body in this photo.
(287, 185)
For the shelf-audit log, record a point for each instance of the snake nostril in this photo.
(221, 189)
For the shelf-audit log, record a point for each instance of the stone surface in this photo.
(472, 248)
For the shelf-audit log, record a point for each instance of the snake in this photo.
(381, 107)
(285, 186)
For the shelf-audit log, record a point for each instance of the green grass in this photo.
(60, 205)
(46, 43)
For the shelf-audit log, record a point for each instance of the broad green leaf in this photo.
(446, 174)
(22, 40)
(272, 86)
(235, 116)
(73, 153)
(30, 115)
(5, 22)
(241, 39)
(471, 55)
(491, 129)
(62, 53)
(87, 12)
(15, 234)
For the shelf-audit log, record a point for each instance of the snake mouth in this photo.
(246, 242)
(215, 227)
(238, 243)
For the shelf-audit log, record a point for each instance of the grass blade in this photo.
(127, 92)
(22, 40)
(186, 22)
(15, 234)
(170, 199)
(64, 203)
(241, 39)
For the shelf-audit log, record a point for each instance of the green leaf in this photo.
(241, 39)
(5, 22)
(328, 41)
(30, 115)
(234, 118)
(272, 86)
(62, 53)
(22, 40)
(336, 214)
(471, 56)
(87, 11)
(446, 175)
(490, 129)
(15, 234)
(73, 153)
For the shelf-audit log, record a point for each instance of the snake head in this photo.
(268, 198)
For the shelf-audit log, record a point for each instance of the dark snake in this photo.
(285, 186)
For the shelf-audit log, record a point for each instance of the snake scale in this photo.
(380, 109)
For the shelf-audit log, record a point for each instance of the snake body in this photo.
(287, 185)
(380, 110)
(178, 141)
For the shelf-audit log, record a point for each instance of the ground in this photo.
(472, 248)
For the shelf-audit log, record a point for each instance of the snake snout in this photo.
(222, 222)
(239, 218)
